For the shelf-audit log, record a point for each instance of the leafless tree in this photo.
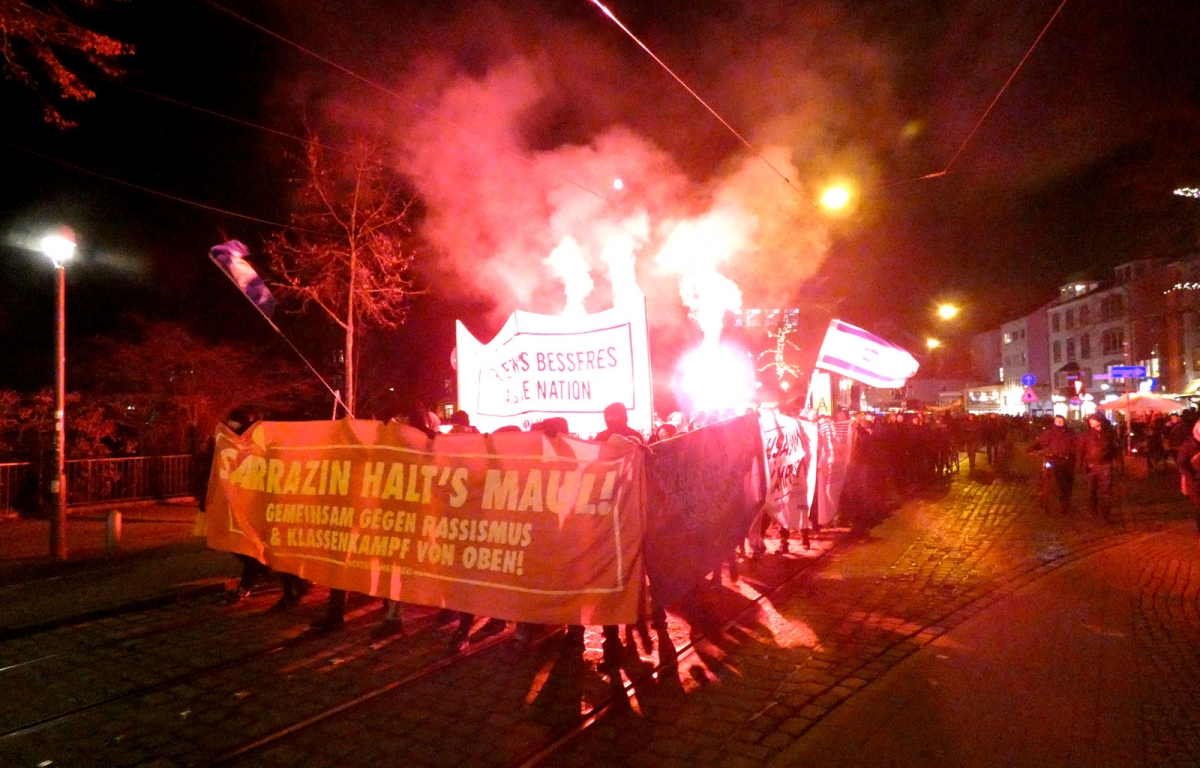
(39, 40)
(347, 251)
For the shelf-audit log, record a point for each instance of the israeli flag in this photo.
(862, 356)
(231, 258)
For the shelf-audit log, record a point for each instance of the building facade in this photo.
(1089, 332)
(987, 357)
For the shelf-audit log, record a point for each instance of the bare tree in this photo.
(35, 35)
(347, 251)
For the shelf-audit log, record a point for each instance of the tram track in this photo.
(139, 636)
(531, 757)
(146, 689)
(426, 625)
(423, 667)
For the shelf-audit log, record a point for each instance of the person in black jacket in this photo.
(1098, 449)
(239, 421)
(1057, 444)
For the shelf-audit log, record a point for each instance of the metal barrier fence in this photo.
(12, 476)
(91, 481)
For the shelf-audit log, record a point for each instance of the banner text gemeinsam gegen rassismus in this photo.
(514, 525)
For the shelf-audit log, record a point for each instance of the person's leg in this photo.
(293, 590)
(1106, 492)
(611, 662)
(252, 571)
(335, 610)
(463, 633)
(1063, 478)
(393, 619)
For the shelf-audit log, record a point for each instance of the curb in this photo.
(184, 594)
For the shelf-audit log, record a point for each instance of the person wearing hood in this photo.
(1188, 461)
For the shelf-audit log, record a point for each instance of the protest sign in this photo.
(539, 366)
(784, 447)
(705, 489)
(515, 526)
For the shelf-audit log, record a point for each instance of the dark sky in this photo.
(1071, 172)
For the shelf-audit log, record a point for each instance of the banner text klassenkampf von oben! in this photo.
(513, 525)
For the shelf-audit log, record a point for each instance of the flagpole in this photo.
(337, 398)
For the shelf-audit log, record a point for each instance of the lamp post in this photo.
(59, 246)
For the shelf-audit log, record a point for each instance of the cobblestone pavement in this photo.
(194, 683)
(1167, 633)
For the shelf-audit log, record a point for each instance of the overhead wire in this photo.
(147, 190)
(400, 97)
(979, 123)
(1003, 88)
(604, 9)
(223, 116)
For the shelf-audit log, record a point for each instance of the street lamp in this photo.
(59, 246)
(835, 198)
(947, 311)
(932, 343)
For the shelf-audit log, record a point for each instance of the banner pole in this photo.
(337, 397)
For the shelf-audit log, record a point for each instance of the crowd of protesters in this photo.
(898, 455)
(895, 456)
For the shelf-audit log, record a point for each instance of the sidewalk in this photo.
(156, 560)
(1072, 669)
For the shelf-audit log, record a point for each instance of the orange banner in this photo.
(515, 526)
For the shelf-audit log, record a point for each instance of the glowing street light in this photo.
(932, 343)
(59, 247)
(947, 311)
(835, 198)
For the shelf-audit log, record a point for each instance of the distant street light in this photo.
(59, 246)
(932, 343)
(947, 311)
(1188, 192)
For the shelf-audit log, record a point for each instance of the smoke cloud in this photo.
(561, 170)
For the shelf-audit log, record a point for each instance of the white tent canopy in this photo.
(1142, 402)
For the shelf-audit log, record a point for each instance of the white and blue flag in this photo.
(862, 356)
(231, 258)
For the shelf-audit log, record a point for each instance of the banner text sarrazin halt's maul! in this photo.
(515, 525)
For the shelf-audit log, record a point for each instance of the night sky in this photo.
(1071, 172)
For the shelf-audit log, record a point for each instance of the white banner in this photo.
(783, 446)
(539, 366)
